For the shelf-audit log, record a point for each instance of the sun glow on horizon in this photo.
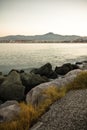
(35, 17)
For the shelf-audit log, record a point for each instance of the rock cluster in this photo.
(65, 68)
(22, 86)
(30, 80)
(35, 95)
(46, 70)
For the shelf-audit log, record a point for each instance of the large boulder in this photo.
(46, 70)
(2, 78)
(0, 73)
(12, 88)
(18, 71)
(82, 65)
(64, 69)
(9, 110)
(35, 96)
(78, 63)
(1, 102)
(30, 80)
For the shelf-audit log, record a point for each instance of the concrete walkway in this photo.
(68, 113)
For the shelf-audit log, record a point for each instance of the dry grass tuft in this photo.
(80, 82)
(26, 117)
(52, 93)
(29, 114)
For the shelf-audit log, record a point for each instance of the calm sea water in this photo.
(22, 56)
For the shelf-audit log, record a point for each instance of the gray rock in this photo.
(0, 73)
(35, 96)
(64, 69)
(9, 110)
(30, 80)
(82, 65)
(78, 63)
(18, 71)
(46, 70)
(1, 102)
(12, 88)
(2, 78)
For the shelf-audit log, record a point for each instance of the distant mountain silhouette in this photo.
(45, 37)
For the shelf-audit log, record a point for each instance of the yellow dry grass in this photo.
(80, 82)
(29, 114)
(26, 117)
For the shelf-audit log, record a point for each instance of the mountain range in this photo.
(48, 37)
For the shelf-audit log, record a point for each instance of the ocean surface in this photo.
(28, 56)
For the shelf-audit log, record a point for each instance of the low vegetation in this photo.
(30, 114)
(23, 122)
(80, 82)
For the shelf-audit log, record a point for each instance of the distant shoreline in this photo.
(45, 38)
(43, 42)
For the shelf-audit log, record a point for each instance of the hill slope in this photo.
(46, 37)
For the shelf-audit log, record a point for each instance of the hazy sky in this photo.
(30, 17)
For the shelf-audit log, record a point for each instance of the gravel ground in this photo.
(68, 113)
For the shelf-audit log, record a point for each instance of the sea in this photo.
(34, 55)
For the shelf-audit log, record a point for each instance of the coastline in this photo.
(34, 92)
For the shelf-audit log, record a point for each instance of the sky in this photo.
(35, 17)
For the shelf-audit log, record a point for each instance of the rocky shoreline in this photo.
(18, 86)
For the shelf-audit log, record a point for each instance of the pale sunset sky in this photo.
(31, 17)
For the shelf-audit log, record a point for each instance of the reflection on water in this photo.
(35, 55)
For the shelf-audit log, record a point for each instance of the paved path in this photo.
(68, 113)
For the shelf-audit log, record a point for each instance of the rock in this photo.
(53, 75)
(1, 102)
(74, 67)
(45, 70)
(2, 78)
(12, 88)
(78, 63)
(85, 61)
(30, 80)
(13, 71)
(0, 73)
(35, 96)
(18, 71)
(9, 110)
(83, 65)
(21, 71)
(65, 68)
